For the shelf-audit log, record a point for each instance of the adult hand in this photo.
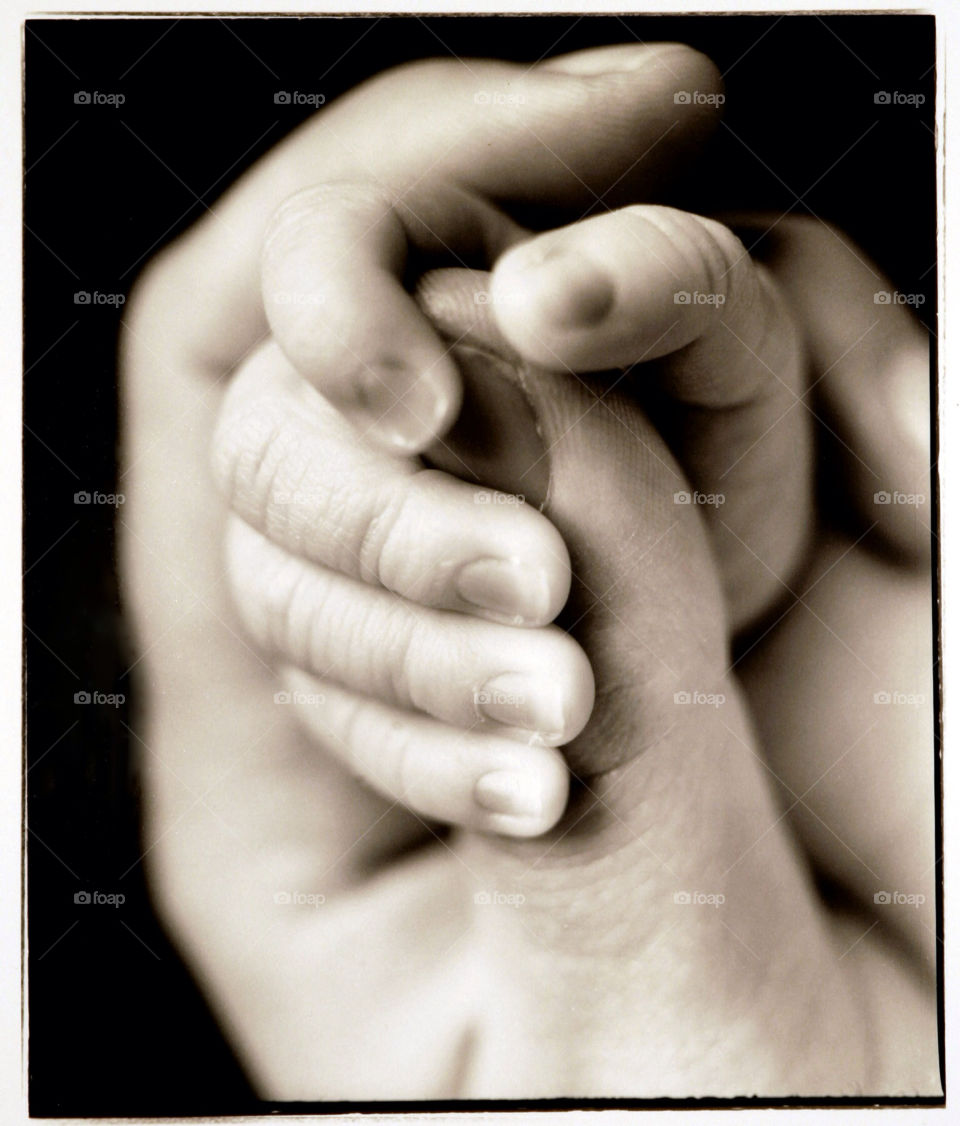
(273, 808)
(240, 807)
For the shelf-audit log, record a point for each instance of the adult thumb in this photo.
(646, 601)
(668, 795)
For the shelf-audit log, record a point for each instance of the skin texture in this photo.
(250, 801)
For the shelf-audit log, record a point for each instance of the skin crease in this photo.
(404, 931)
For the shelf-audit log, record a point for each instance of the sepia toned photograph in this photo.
(481, 552)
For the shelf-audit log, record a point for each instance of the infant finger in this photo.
(293, 468)
(468, 778)
(654, 283)
(333, 263)
(459, 669)
(638, 284)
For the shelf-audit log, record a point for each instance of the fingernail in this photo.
(506, 587)
(509, 791)
(522, 701)
(404, 415)
(570, 291)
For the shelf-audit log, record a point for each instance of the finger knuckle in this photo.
(365, 643)
(277, 595)
(388, 548)
(251, 443)
(314, 207)
(709, 253)
(405, 642)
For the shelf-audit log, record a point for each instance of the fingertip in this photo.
(404, 415)
(580, 693)
(682, 62)
(492, 554)
(526, 584)
(525, 798)
(629, 285)
(542, 295)
(558, 567)
(698, 71)
(332, 290)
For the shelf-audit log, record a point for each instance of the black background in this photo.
(116, 1025)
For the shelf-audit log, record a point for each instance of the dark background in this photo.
(116, 1026)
